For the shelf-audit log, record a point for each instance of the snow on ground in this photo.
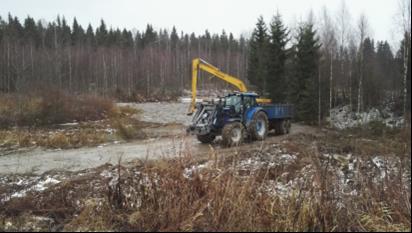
(344, 118)
(25, 185)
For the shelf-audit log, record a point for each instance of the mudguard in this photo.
(250, 113)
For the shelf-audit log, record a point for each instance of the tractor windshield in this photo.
(233, 100)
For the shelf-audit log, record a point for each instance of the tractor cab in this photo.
(239, 103)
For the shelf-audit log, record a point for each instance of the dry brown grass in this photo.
(158, 196)
(38, 117)
(51, 107)
(63, 139)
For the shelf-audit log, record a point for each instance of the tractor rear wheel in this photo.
(233, 134)
(206, 139)
(258, 128)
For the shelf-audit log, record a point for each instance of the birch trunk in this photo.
(319, 98)
(360, 82)
(405, 76)
(331, 85)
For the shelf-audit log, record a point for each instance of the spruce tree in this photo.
(90, 37)
(77, 36)
(277, 86)
(257, 68)
(370, 88)
(149, 36)
(101, 34)
(65, 32)
(174, 38)
(303, 86)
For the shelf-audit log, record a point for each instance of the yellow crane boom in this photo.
(199, 64)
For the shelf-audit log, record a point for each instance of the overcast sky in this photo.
(236, 16)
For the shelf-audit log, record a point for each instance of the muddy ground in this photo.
(163, 141)
(73, 189)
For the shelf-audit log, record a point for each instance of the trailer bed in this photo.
(278, 111)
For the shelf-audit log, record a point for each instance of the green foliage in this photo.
(277, 85)
(267, 66)
(258, 56)
(303, 92)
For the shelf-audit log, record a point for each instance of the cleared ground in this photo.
(165, 141)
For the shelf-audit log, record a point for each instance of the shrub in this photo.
(128, 130)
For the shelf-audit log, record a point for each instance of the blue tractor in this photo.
(239, 116)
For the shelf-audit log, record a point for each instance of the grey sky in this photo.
(237, 16)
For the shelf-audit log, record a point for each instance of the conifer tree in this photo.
(77, 36)
(277, 86)
(101, 34)
(258, 57)
(304, 83)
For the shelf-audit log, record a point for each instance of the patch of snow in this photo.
(378, 162)
(42, 185)
(188, 172)
(188, 100)
(344, 118)
(106, 174)
(286, 158)
(69, 124)
(110, 131)
(38, 186)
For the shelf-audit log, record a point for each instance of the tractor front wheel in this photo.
(233, 134)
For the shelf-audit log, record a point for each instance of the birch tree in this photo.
(343, 26)
(362, 32)
(328, 39)
(404, 8)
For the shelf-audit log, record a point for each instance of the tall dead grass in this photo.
(219, 199)
(161, 196)
(51, 107)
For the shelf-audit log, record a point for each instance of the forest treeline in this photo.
(325, 63)
(321, 63)
(108, 61)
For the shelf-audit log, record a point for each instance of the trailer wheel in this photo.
(206, 139)
(233, 134)
(280, 127)
(258, 128)
(288, 125)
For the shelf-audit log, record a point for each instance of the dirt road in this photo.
(39, 161)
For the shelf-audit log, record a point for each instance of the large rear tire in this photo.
(206, 139)
(233, 134)
(259, 127)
